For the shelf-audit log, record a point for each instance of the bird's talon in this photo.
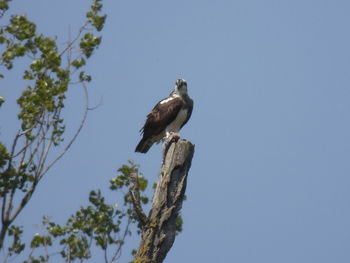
(175, 137)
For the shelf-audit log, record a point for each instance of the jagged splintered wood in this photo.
(159, 231)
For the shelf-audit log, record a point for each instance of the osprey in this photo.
(168, 116)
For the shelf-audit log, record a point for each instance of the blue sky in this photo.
(271, 85)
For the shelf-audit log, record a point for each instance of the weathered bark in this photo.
(159, 230)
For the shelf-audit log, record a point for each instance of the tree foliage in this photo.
(51, 71)
(102, 225)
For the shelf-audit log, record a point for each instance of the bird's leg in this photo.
(167, 135)
(166, 143)
(172, 136)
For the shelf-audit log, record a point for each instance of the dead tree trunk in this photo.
(159, 230)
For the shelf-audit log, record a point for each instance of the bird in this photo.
(167, 117)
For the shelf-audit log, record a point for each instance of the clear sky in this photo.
(270, 81)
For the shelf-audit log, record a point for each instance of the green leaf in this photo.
(38, 241)
(21, 28)
(89, 43)
(78, 63)
(17, 246)
(142, 183)
(179, 223)
(96, 20)
(4, 5)
(144, 199)
(84, 77)
(28, 75)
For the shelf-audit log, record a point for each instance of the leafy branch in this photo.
(41, 103)
(99, 224)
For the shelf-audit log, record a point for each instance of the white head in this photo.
(180, 87)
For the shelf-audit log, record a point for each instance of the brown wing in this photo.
(189, 110)
(161, 116)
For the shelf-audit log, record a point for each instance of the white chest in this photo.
(177, 123)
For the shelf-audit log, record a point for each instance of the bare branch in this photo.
(71, 43)
(97, 105)
(24, 201)
(41, 170)
(27, 144)
(82, 122)
(135, 198)
(3, 216)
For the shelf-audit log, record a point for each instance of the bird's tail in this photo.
(144, 145)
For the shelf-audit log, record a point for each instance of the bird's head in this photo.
(181, 87)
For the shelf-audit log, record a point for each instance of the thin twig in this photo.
(76, 133)
(26, 145)
(97, 105)
(3, 217)
(118, 253)
(70, 44)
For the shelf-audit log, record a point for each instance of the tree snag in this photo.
(158, 232)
